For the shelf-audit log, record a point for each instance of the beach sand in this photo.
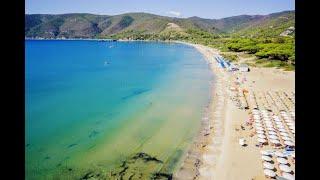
(217, 154)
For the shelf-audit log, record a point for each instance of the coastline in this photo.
(216, 153)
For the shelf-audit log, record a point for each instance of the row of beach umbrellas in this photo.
(266, 128)
(283, 164)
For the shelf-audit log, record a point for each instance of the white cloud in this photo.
(175, 13)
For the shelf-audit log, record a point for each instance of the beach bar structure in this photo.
(243, 68)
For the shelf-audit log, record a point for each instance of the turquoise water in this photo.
(91, 106)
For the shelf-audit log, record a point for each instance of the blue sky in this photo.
(177, 8)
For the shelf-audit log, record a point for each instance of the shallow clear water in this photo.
(92, 106)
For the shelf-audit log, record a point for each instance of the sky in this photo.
(212, 9)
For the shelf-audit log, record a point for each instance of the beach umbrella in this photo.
(293, 131)
(288, 143)
(261, 140)
(279, 123)
(284, 134)
(275, 117)
(268, 122)
(293, 155)
(286, 138)
(258, 124)
(266, 118)
(257, 120)
(280, 126)
(285, 168)
(282, 160)
(269, 173)
(266, 158)
(273, 137)
(260, 132)
(274, 141)
(292, 127)
(277, 120)
(290, 124)
(282, 129)
(279, 154)
(288, 176)
(272, 133)
(271, 129)
(266, 153)
(259, 128)
(268, 165)
(261, 136)
(269, 125)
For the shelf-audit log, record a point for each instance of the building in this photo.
(244, 68)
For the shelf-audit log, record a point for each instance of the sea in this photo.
(111, 110)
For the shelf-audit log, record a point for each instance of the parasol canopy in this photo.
(285, 168)
(273, 137)
(288, 176)
(272, 133)
(261, 140)
(282, 160)
(274, 141)
(288, 143)
(269, 173)
(266, 158)
(268, 165)
(279, 154)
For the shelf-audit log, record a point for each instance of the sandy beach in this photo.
(216, 153)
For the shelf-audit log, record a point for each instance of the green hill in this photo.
(80, 25)
(267, 37)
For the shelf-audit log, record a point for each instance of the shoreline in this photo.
(198, 162)
(219, 155)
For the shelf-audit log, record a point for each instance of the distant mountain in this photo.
(81, 25)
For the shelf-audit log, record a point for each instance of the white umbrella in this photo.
(282, 129)
(286, 138)
(274, 141)
(293, 131)
(259, 128)
(261, 140)
(279, 123)
(272, 133)
(266, 153)
(268, 122)
(282, 160)
(293, 155)
(279, 154)
(260, 132)
(292, 127)
(269, 173)
(258, 125)
(268, 165)
(261, 136)
(284, 134)
(285, 168)
(269, 125)
(288, 120)
(277, 120)
(271, 129)
(280, 126)
(273, 137)
(266, 158)
(290, 124)
(288, 176)
(289, 143)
